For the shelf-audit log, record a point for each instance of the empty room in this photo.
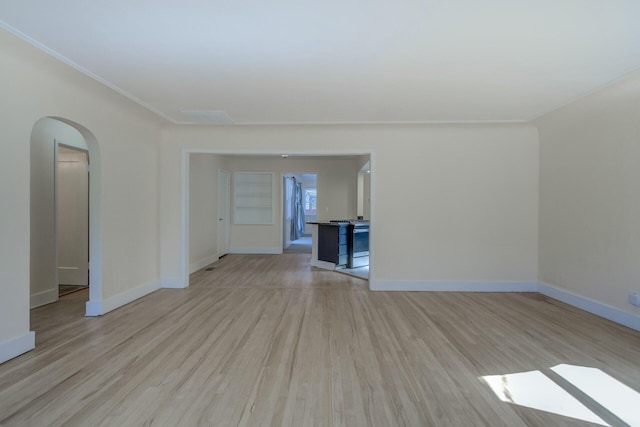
(192, 190)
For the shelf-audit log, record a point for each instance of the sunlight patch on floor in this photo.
(536, 390)
(618, 398)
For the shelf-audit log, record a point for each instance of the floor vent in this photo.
(209, 269)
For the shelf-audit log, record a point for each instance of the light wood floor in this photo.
(265, 340)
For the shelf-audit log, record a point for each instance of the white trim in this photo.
(453, 286)
(43, 298)
(95, 214)
(264, 250)
(278, 152)
(83, 70)
(198, 265)
(149, 107)
(184, 220)
(17, 346)
(576, 98)
(173, 283)
(98, 308)
(372, 218)
(325, 265)
(225, 194)
(594, 307)
(361, 122)
(93, 308)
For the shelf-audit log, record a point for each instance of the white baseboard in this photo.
(17, 346)
(98, 308)
(93, 308)
(420, 286)
(198, 265)
(594, 307)
(264, 250)
(173, 283)
(42, 298)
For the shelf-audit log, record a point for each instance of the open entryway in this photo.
(65, 214)
(72, 188)
(267, 204)
(299, 207)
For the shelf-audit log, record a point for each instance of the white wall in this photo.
(449, 203)
(589, 198)
(364, 187)
(34, 86)
(203, 209)
(366, 194)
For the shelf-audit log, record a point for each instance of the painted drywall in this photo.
(34, 86)
(203, 209)
(336, 178)
(366, 194)
(364, 187)
(589, 201)
(449, 203)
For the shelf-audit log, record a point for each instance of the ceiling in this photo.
(374, 61)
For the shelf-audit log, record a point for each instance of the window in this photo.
(309, 201)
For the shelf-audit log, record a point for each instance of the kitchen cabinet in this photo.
(332, 243)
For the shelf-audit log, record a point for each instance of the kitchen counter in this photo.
(336, 223)
(340, 243)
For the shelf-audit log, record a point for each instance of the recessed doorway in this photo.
(51, 245)
(299, 198)
(72, 179)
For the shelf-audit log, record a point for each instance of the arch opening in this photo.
(46, 135)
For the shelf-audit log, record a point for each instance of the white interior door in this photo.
(224, 212)
(73, 217)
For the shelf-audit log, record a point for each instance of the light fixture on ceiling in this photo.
(284, 156)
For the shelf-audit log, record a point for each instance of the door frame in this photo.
(56, 192)
(43, 135)
(226, 214)
(184, 198)
(283, 177)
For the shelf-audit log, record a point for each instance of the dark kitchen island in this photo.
(340, 243)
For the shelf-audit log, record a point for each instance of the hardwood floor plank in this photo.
(264, 340)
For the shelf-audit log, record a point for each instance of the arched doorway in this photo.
(47, 134)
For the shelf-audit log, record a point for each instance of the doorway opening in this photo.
(299, 196)
(62, 150)
(337, 192)
(72, 209)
